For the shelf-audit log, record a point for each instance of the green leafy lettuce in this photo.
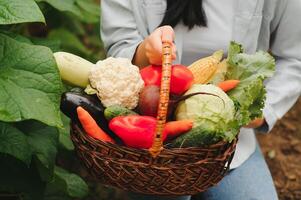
(251, 70)
(216, 120)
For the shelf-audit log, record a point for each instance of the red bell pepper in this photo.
(138, 131)
(181, 77)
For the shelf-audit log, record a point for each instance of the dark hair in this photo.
(191, 12)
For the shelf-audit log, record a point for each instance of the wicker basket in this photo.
(177, 171)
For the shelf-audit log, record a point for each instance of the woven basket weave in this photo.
(177, 171)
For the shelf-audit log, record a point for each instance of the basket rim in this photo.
(165, 151)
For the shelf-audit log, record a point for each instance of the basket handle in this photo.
(157, 146)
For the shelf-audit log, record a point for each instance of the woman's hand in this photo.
(255, 123)
(150, 50)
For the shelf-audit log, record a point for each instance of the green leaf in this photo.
(66, 184)
(19, 11)
(73, 24)
(89, 18)
(18, 178)
(43, 141)
(16, 36)
(90, 11)
(13, 142)
(244, 65)
(64, 138)
(30, 84)
(69, 42)
(249, 96)
(65, 5)
(89, 6)
(251, 70)
(54, 45)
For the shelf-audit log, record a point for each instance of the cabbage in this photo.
(221, 116)
(214, 112)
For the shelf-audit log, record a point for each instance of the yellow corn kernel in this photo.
(220, 73)
(204, 68)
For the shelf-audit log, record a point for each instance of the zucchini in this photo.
(73, 69)
(115, 111)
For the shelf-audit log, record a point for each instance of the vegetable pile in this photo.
(210, 100)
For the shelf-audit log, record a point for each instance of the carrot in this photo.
(175, 128)
(91, 127)
(228, 85)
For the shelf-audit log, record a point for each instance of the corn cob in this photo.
(220, 73)
(204, 68)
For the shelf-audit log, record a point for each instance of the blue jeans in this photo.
(250, 181)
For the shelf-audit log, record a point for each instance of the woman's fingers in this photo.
(153, 46)
(167, 34)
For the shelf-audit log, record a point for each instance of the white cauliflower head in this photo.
(117, 82)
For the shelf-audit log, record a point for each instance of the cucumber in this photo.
(196, 137)
(115, 111)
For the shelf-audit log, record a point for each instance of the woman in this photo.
(136, 29)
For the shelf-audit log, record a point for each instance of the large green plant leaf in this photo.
(54, 45)
(21, 180)
(30, 138)
(16, 177)
(13, 142)
(89, 6)
(30, 85)
(44, 142)
(69, 42)
(64, 137)
(66, 184)
(19, 11)
(65, 5)
(16, 36)
(86, 10)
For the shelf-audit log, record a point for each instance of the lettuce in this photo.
(251, 70)
(216, 120)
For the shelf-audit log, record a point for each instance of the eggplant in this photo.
(71, 100)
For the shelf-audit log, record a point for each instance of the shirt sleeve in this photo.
(284, 88)
(119, 29)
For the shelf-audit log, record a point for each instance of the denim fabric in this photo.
(250, 181)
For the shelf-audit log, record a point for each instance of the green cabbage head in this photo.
(212, 112)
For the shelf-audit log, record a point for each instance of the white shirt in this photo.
(217, 35)
(125, 23)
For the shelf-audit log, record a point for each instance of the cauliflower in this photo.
(117, 82)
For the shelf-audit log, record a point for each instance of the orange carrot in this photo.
(228, 85)
(175, 128)
(91, 127)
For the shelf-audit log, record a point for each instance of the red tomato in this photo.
(181, 78)
(151, 75)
